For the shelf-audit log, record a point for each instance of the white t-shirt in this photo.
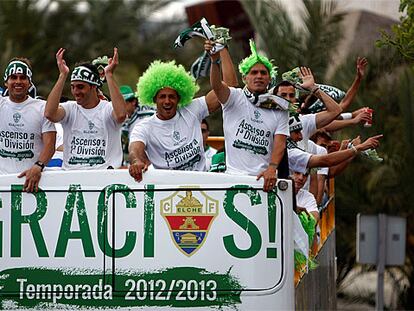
(249, 133)
(308, 129)
(21, 128)
(298, 160)
(175, 144)
(306, 200)
(322, 150)
(316, 149)
(92, 138)
(209, 155)
(140, 113)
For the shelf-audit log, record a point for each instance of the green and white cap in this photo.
(127, 92)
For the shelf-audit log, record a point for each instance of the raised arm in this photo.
(227, 67)
(221, 89)
(54, 112)
(358, 116)
(138, 160)
(118, 102)
(229, 77)
(332, 108)
(334, 158)
(361, 64)
(338, 169)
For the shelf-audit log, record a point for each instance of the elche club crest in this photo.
(257, 114)
(176, 135)
(16, 117)
(189, 215)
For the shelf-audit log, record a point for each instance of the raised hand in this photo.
(370, 143)
(63, 68)
(344, 144)
(361, 65)
(308, 81)
(209, 47)
(112, 63)
(363, 117)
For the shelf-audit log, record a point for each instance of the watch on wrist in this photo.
(40, 164)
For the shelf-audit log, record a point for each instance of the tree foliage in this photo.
(87, 29)
(291, 45)
(365, 187)
(402, 37)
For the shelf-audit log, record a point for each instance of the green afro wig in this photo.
(247, 63)
(160, 75)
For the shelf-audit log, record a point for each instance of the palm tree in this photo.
(37, 31)
(289, 45)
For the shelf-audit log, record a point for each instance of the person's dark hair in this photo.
(282, 83)
(306, 100)
(24, 60)
(321, 133)
(204, 121)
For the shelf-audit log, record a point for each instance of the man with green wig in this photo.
(255, 136)
(27, 140)
(172, 139)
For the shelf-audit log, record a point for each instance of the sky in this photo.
(383, 7)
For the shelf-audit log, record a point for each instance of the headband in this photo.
(82, 73)
(15, 67)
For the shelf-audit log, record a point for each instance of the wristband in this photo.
(40, 164)
(273, 164)
(314, 89)
(346, 115)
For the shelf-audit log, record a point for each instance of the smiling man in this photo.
(172, 139)
(255, 136)
(91, 126)
(27, 138)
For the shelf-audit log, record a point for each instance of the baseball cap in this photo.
(127, 92)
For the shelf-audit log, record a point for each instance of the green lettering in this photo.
(17, 219)
(102, 225)
(149, 221)
(244, 223)
(271, 252)
(75, 198)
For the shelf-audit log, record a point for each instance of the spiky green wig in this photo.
(166, 74)
(247, 63)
